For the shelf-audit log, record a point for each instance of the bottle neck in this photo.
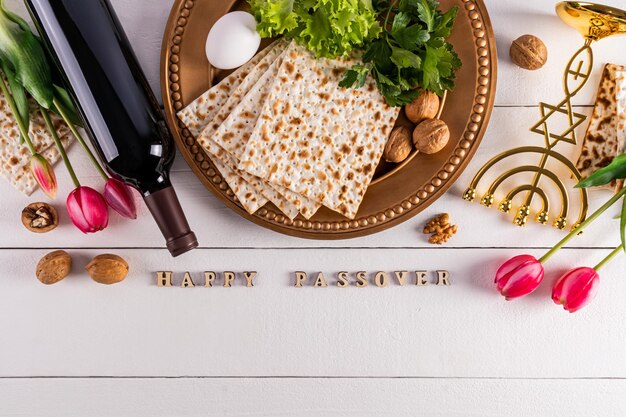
(169, 216)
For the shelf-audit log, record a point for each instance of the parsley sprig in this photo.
(411, 53)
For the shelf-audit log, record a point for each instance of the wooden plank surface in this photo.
(309, 397)
(275, 350)
(79, 328)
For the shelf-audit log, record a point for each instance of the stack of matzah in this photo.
(15, 158)
(606, 135)
(281, 129)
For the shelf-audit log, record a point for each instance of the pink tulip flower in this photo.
(44, 175)
(88, 210)
(119, 196)
(519, 276)
(576, 288)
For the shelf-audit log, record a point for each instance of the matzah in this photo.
(15, 158)
(202, 110)
(604, 140)
(319, 140)
(227, 140)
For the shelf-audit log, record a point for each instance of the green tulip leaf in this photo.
(614, 171)
(19, 96)
(622, 225)
(23, 53)
(64, 99)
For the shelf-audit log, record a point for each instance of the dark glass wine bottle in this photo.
(121, 115)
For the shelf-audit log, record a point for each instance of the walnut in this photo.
(444, 235)
(431, 136)
(434, 226)
(107, 269)
(399, 145)
(40, 217)
(425, 106)
(441, 229)
(529, 52)
(53, 267)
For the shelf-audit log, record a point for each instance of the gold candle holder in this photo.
(594, 22)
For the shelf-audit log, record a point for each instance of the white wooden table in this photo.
(82, 349)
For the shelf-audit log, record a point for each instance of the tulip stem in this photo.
(80, 139)
(583, 225)
(16, 115)
(59, 145)
(609, 257)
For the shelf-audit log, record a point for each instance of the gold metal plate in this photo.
(397, 192)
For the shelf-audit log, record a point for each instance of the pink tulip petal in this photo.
(44, 175)
(87, 209)
(576, 288)
(94, 208)
(119, 196)
(76, 213)
(519, 276)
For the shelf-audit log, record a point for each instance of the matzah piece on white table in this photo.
(320, 140)
(227, 140)
(15, 158)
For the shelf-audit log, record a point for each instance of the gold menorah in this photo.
(594, 22)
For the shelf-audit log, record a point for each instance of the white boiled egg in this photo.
(232, 41)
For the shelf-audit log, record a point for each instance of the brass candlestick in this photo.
(594, 22)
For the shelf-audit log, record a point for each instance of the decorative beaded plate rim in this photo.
(329, 225)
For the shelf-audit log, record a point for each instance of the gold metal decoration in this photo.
(594, 22)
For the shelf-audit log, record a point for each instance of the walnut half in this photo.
(40, 217)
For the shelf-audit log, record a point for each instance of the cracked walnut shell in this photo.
(399, 145)
(40, 217)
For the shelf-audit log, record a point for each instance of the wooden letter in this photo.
(381, 279)
(250, 275)
(320, 281)
(164, 279)
(187, 281)
(342, 280)
(229, 277)
(361, 277)
(209, 278)
(421, 278)
(300, 278)
(443, 278)
(402, 276)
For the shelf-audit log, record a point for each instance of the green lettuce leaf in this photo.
(329, 28)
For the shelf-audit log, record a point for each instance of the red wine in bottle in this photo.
(120, 113)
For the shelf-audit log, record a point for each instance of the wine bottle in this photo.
(120, 113)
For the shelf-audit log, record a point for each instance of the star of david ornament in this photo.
(594, 22)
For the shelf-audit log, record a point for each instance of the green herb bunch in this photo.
(411, 53)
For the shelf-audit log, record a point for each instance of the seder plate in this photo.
(398, 192)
